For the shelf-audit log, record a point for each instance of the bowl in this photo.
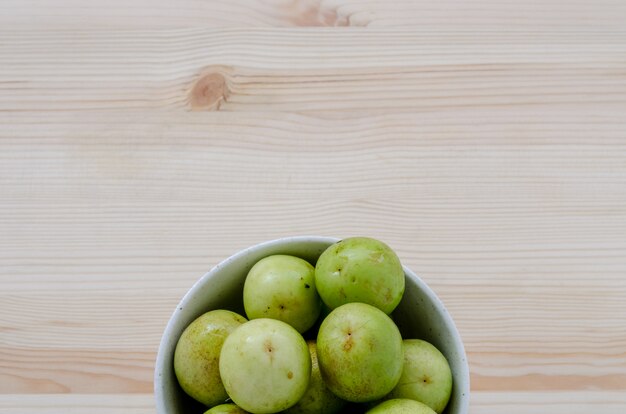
(420, 314)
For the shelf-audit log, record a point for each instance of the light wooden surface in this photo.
(142, 142)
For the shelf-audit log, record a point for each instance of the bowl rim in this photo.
(172, 323)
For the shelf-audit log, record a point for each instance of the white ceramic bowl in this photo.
(420, 314)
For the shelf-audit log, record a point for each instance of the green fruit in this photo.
(401, 406)
(282, 287)
(426, 376)
(226, 409)
(265, 366)
(196, 358)
(360, 352)
(360, 269)
(318, 399)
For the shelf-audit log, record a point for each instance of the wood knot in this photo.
(209, 92)
(313, 13)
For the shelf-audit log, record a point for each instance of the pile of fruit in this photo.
(356, 357)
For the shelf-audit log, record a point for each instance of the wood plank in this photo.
(547, 402)
(52, 369)
(487, 15)
(482, 403)
(77, 403)
(356, 73)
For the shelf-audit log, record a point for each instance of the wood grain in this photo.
(106, 264)
(141, 143)
(547, 402)
(77, 403)
(441, 16)
(355, 73)
(482, 402)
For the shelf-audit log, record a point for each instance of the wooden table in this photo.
(141, 142)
